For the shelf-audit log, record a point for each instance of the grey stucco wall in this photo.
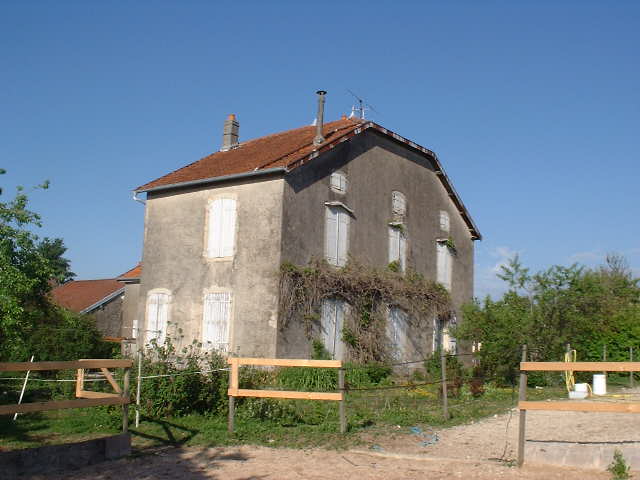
(174, 260)
(108, 317)
(375, 166)
(130, 308)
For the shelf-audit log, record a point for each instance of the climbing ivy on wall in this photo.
(369, 292)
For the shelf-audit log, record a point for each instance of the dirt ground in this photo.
(482, 450)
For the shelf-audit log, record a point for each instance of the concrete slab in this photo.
(584, 455)
(52, 458)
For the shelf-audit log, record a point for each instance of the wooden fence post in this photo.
(522, 396)
(631, 373)
(443, 367)
(125, 395)
(343, 414)
(233, 387)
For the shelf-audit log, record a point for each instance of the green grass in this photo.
(283, 423)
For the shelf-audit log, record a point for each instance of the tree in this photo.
(588, 308)
(52, 250)
(25, 282)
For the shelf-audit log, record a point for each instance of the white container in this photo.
(599, 384)
(578, 395)
(581, 387)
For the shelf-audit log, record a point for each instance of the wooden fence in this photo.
(84, 398)
(568, 406)
(235, 391)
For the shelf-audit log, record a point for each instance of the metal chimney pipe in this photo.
(318, 139)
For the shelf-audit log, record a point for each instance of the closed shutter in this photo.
(398, 203)
(332, 235)
(157, 317)
(343, 237)
(222, 228)
(444, 265)
(402, 240)
(216, 321)
(398, 247)
(397, 325)
(331, 325)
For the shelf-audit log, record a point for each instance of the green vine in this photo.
(450, 244)
(369, 292)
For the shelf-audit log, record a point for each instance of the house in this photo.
(102, 299)
(218, 230)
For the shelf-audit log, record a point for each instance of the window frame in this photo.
(336, 251)
(341, 185)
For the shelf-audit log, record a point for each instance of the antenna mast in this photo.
(362, 107)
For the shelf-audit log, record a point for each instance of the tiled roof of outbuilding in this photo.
(79, 295)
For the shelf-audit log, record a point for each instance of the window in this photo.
(216, 320)
(134, 328)
(398, 203)
(337, 234)
(397, 329)
(157, 317)
(331, 324)
(339, 182)
(445, 263)
(222, 228)
(441, 336)
(444, 220)
(398, 246)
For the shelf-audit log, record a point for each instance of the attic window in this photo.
(398, 203)
(444, 220)
(339, 182)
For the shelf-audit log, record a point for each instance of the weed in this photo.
(618, 468)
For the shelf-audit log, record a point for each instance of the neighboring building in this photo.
(217, 230)
(102, 299)
(130, 281)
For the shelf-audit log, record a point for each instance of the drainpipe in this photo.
(318, 139)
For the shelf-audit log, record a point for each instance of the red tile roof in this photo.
(277, 150)
(133, 274)
(291, 149)
(78, 295)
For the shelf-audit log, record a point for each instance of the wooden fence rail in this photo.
(85, 398)
(235, 391)
(568, 406)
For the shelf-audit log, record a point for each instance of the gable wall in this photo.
(375, 166)
(174, 259)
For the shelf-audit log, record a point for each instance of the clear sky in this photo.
(533, 108)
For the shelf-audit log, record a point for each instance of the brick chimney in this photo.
(230, 133)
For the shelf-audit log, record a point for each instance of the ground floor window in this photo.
(331, 325)
(216, 321)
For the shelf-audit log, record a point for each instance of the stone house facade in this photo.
(217, 231)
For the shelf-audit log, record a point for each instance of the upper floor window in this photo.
(398, 246)
(339, 182)
(444, 220)
(331, 325)
(222, 228)
(398, 203)
(337, 235)
(157, 316)
(444, 264)
(216, 321)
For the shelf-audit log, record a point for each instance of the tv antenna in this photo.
(361, 108)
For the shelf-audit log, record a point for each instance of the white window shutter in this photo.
(134, 328)
(163, 316)
(343, 237)
(338, 344)
(157, 317)
(215, 229)
(394, 244)
(332, 236)
(402, 242)
(444, 265)
(327, 324)
(398, 203)
(228, 227)
(216, 321)
(335, 181)
(152, 318)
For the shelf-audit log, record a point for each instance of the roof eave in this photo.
(111, 296)
(223, 178)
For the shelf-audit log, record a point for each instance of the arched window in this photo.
(158, 304)
(222, 228)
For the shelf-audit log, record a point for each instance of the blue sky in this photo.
(533, 108)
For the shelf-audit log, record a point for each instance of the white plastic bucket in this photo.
(599, 384)
(582, 387)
